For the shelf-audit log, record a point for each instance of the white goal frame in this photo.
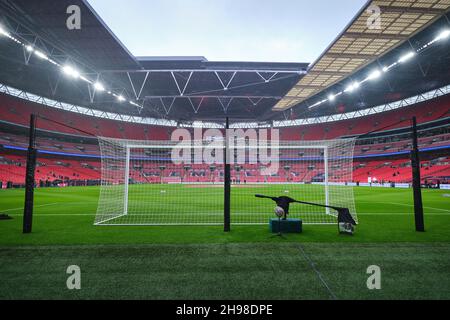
(129, 145)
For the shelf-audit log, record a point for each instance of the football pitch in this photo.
(203, 262)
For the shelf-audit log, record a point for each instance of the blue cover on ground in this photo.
(286, 226)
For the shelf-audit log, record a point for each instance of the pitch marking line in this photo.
(319, 274)
(403, 204)
(410, 205)
(57, 214)
(39, 206)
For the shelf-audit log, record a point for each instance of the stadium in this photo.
(144, 176)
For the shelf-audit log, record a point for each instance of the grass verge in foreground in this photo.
(228, 271)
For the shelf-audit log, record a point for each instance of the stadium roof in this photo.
(363, 41)
(95, 45)
(194, 89)
(179, 88)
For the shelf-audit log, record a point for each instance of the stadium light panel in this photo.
(99, 87)
(121, 98)
(375, 75)
(29, 48)
(331, 97)
(71, 72)
(40, 55)
(443, 35)
(314, 105)
(4, 32)
(85, 79)
(407, 57)
(352, 87)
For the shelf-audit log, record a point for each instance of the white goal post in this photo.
(167, 183)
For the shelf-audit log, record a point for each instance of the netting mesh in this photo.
(164, 183)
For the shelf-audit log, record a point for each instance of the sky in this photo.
(228, 30)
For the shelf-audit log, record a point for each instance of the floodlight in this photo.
(4, 32)
(443, 35)
(40, 55)
(375, 75)
(85, 79)
(121, 98)
(315, 105)
(352, 87)
(331, 97)
(99, 87)
(71, 72)
(406, 57)
(385, 69)
(29, 48)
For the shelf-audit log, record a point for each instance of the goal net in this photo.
(168, 183)
(319, 172)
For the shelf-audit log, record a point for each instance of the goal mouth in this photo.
(143, 185)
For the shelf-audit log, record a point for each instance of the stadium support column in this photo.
(29, 182)
(227, 180)
(415, 162)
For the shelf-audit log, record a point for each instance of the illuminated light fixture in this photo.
(352, 87)
(374, 75)
(29, 48)
(121, 98)
(99, 87)
(54, 62)
(4, 32)
(318, 104)
(407, 57)
(71, 72)
(85, 79)
(315, 105)
(331, 97)
(40, 55)
(443, 35)
(385, 69)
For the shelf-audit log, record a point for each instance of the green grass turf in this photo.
(205, 263)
